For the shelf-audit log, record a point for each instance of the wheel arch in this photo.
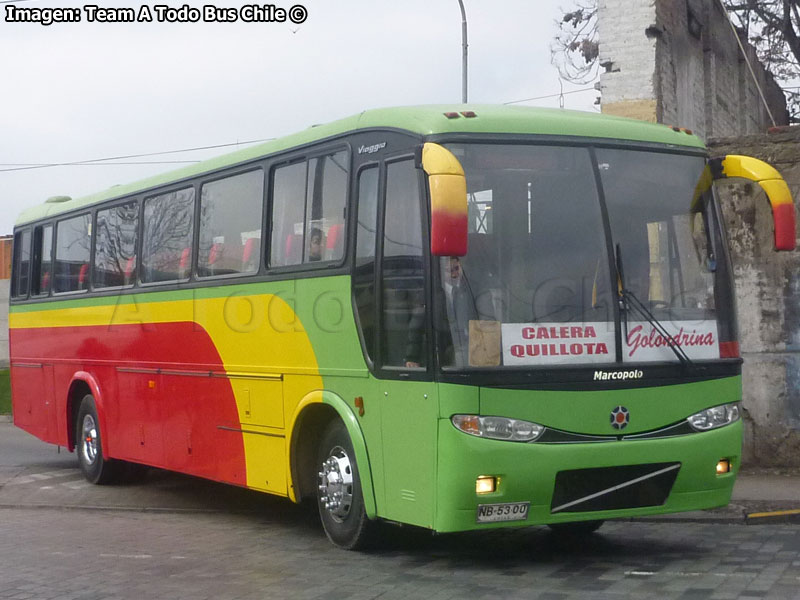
(311, 417)
(83, 383)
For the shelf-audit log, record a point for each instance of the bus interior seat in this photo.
(130, 269)
(250, 255)
(184, 264)
(293, 250)
(335, 245)
(83, 276)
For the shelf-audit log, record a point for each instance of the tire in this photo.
(576, 529)
(88, 445)
(339, 497)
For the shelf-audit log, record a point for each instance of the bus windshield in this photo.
(556, 233)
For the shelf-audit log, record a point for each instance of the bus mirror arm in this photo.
(774, 186)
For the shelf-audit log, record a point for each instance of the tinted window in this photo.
(308, 201)
(42, 260)
(73, 244)
(403, 276)
(364, 275)
(326, 199)
(230, 225)
(115, 250)
(167, 240)
(288, 194)
(22, 263)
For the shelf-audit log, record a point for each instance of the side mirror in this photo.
(778, 194)
(448, 187)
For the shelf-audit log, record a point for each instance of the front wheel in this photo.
(339, 496)
(95, 467)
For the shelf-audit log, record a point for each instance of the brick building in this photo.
(678, 62)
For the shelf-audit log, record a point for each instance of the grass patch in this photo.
(5, 392)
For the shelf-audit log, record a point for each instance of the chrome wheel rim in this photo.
(89, 440)
(336, 484)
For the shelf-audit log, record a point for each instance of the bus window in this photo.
(115, 250)
(22, 263)
(364, 275)
(42, 260)
(230, 225)
(327, 197)
(288, 191)
(73, 243)
(167, 241)
(403, 334)
(308, 205)
(666, 259)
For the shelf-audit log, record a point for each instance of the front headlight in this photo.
(498, 428)
(719, 416)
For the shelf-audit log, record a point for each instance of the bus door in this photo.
(406, 392)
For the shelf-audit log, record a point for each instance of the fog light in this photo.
(485, 484)
(723, 466)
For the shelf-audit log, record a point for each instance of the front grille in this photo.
(612, 488)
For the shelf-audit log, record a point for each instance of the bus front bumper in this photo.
(559, 483)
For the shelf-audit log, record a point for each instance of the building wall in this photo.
(678, 62)
(768, 297)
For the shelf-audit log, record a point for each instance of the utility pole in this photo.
(464, 52)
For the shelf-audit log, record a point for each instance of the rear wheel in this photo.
(88, 445)
(339, 496)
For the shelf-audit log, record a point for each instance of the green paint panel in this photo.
(589, 412)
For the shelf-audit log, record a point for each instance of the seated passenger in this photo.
(315, 245)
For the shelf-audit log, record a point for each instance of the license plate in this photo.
(509, 511)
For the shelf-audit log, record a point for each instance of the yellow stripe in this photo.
(777, 513)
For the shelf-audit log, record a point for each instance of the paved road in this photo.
(171, 536)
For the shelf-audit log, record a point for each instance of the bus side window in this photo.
(403, 323)
(73, 243)
(364, 273)
(115, 250)
(288, 192)
(22, 264)
(42, 260)
(230, 224)
(326, 201)
(168, 228)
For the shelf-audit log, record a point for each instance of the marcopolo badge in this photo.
(620, 417)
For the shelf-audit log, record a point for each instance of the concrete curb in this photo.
(6, 419)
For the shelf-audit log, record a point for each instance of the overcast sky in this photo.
(81, 91)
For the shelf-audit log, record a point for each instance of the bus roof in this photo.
(422, 120)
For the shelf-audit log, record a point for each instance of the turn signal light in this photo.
(723, 466)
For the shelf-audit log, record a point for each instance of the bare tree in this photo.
(575, 49)
(771, 26)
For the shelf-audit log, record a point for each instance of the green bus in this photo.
(457, 318)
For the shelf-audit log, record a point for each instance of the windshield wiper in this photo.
(628, 299)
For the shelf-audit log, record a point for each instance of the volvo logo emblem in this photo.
(620, 417)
